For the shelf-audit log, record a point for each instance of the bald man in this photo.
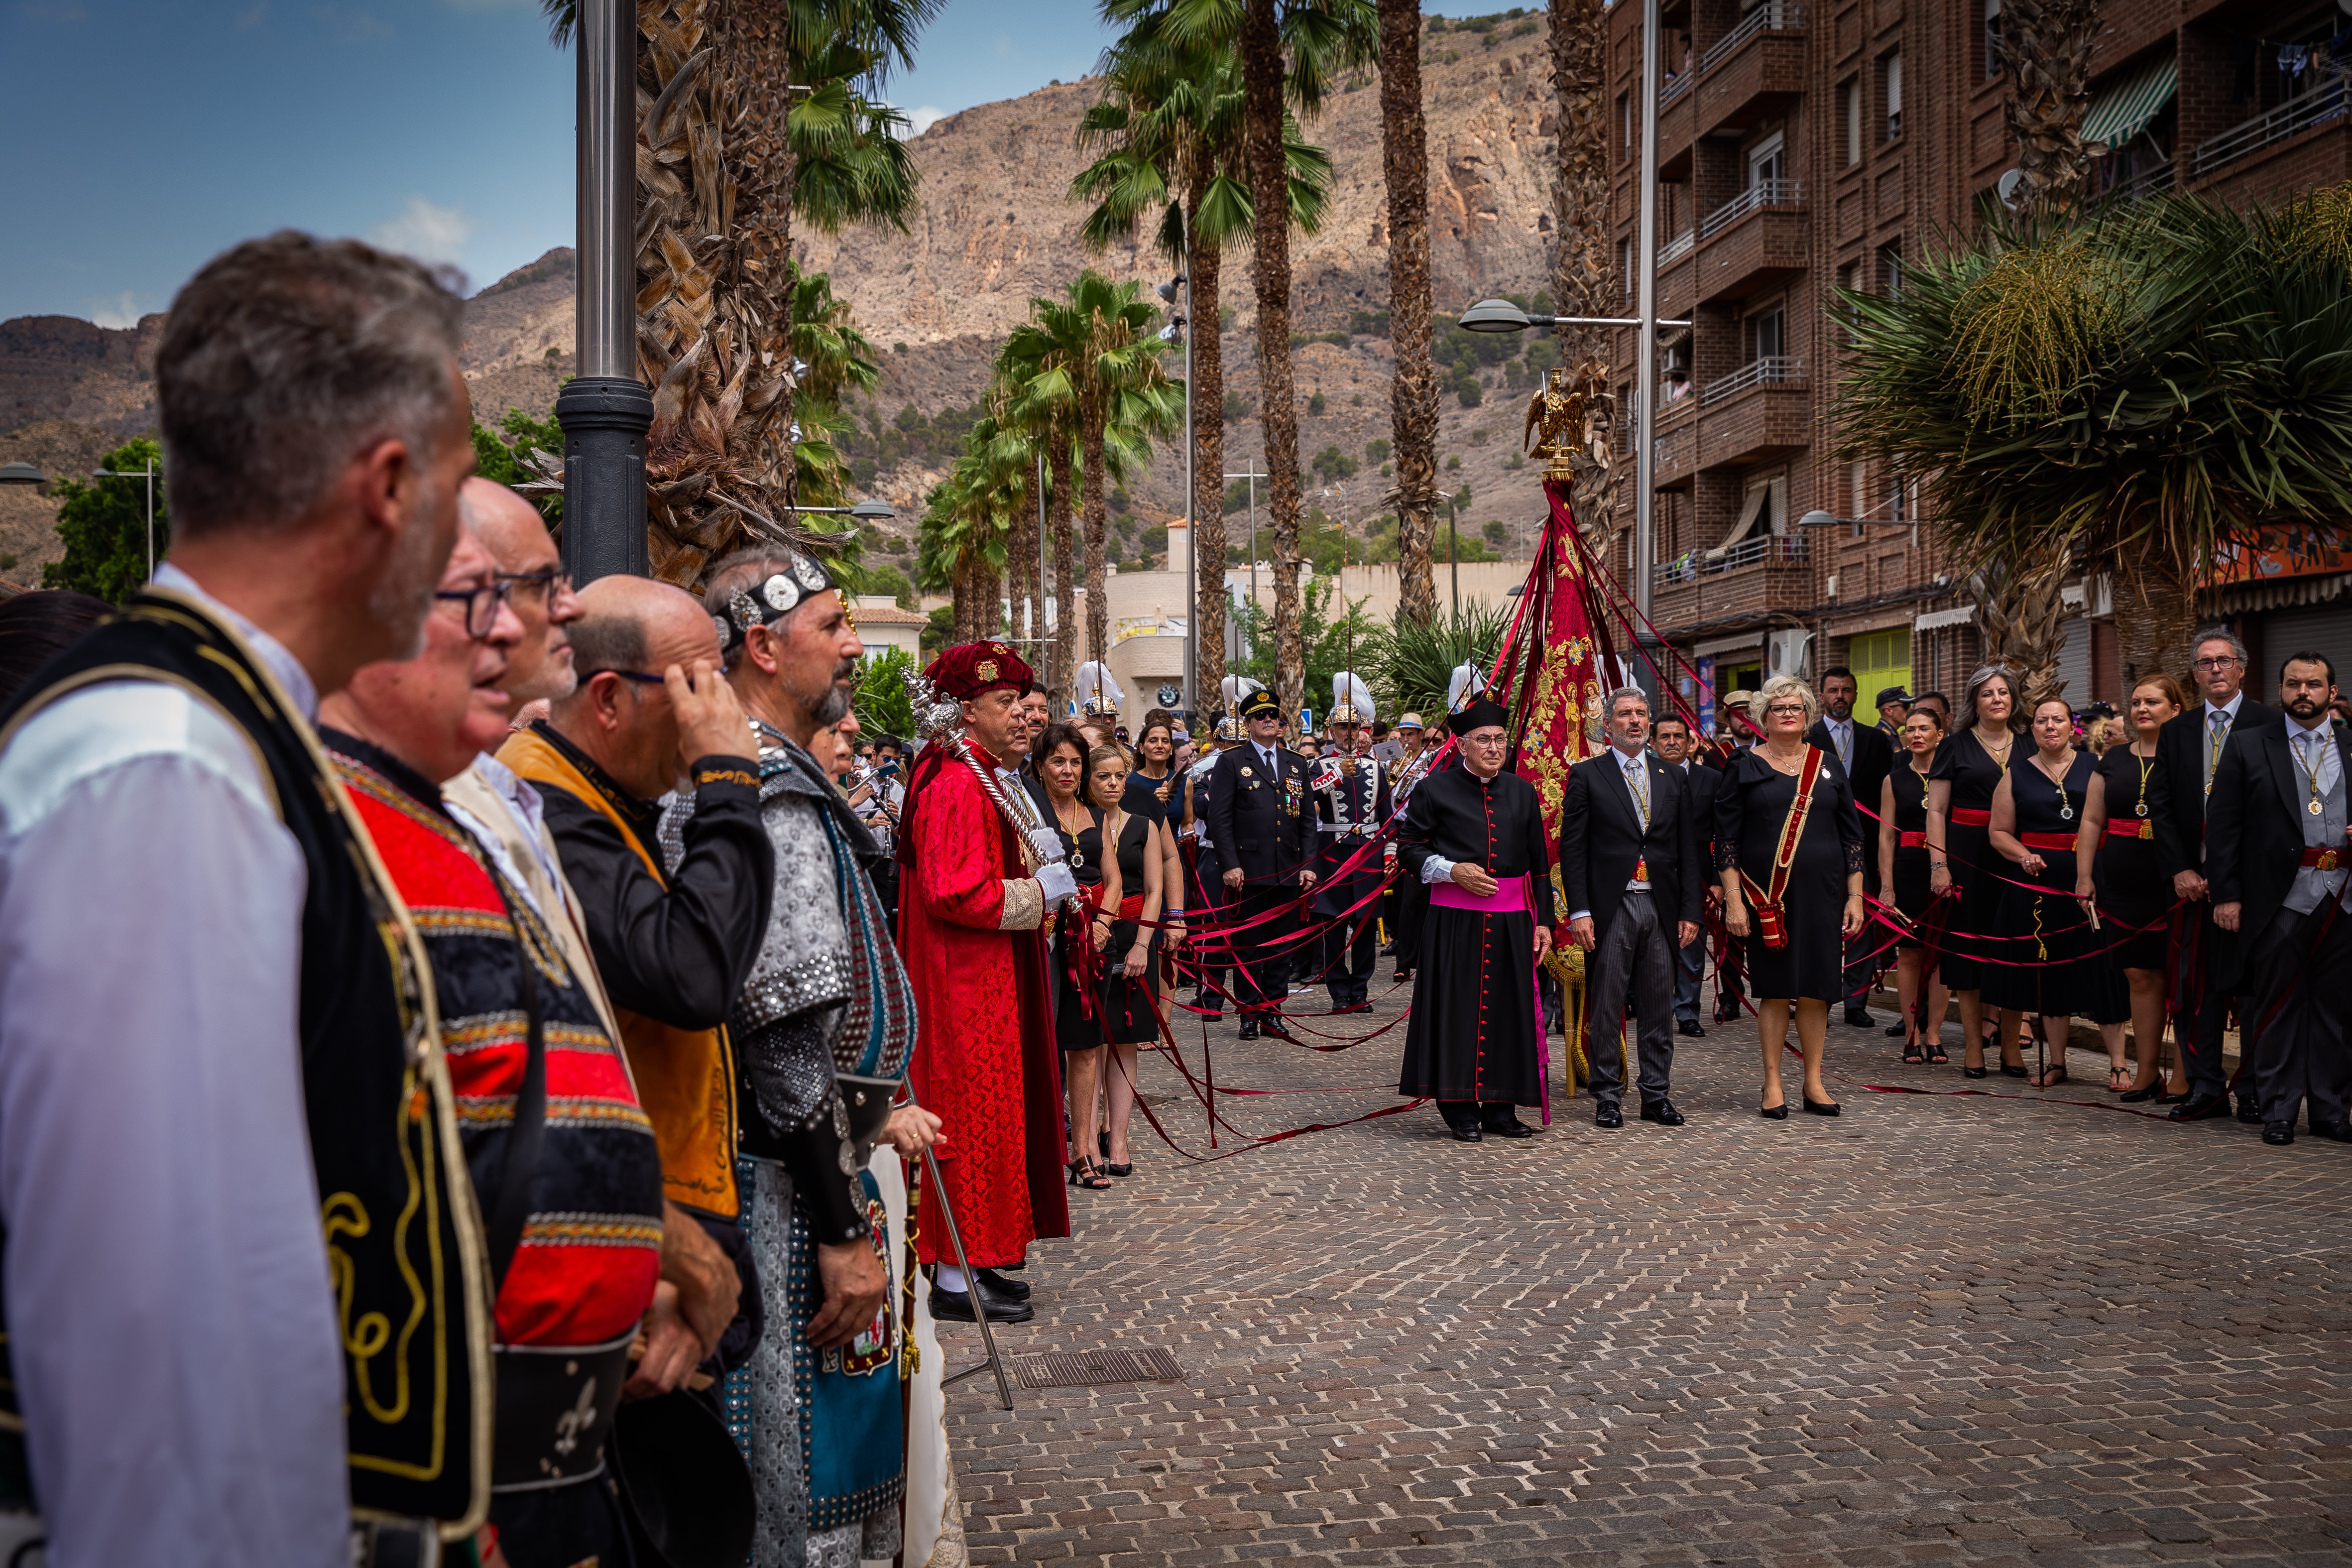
(673, 939)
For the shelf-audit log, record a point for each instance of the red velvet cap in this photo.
(965, 671)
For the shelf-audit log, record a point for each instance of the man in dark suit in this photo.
(1265, 831)
(1687, 755)
(2189, 752)
(1867, 756)
(2278, 858)
(1629, 865)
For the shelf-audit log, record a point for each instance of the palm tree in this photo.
(1583, 277)
(1289, 51)
(1412, 393)
(838, 358)
(960, 541)
(1023, 401)
(1167, 135)
(1094, 353)
(2134, 392)
(731, 147)
(2047, 46)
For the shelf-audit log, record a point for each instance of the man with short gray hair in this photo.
(178, 1345)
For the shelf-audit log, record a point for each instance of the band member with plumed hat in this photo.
(1474, 835)
(1265, 831)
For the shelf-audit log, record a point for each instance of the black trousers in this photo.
(1263, 980)
(1350, 953)
(2201, 1055)
(2300, 1009)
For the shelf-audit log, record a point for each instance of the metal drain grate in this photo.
(1072, 1369)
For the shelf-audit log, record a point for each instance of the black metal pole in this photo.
(605, 411)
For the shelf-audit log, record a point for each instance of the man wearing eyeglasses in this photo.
(2189, 752)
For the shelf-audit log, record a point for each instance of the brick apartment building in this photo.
(1811, 144)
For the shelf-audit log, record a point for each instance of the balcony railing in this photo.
(1674, 87)
(1762, 193)
(1773, 17)
(2149, 182)
(1677, 248)
(1772, 370)
(1781, 549)
(2330, 98)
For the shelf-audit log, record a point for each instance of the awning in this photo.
(2122, 111)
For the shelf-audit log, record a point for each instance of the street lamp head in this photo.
(873, 510)
(1494, 316)
(19, 474)
(1818, 520)
(1168, 291)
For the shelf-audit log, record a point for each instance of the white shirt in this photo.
(1841, 739)
(171, 1317)
(1636, 767)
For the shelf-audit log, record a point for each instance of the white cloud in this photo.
(115, 310)
(428, 232)
(920, 120)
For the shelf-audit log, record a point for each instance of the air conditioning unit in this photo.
(1832, 587)
(1784, 653)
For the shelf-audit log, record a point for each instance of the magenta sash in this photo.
(1509, 897)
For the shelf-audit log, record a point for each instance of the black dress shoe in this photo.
(955, 1307)
(2338, 1131)
(1893, 1030)
(1974, 1072)
(1345, 1007)
(1859, 1017)
(1773, 1113)
(1249, 1029)
(1662, 1112)
(2202, 1109)
(2183, 1098)
(2279, 1133)
(2249, 1112)
(1692, 1028)
(997, 1284)
(1509, 1127)
(1469, 1134)
(1820, 1107)
(1608, 1115)
(2138, 1096)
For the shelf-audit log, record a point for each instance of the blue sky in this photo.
(139, 137)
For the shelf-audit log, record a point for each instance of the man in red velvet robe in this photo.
(979, 880)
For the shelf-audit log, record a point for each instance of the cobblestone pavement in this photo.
(1935, 1329)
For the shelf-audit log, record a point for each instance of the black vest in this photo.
(404, 1237)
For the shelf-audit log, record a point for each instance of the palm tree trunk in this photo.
(1208, 542)
(757, 50)
(2022, 616)
(2046, 46)
(2156, 616)
(965, 597)
(1581, 273)
(1412, 392)
(1262, 70)
(1098, 519)
(1059, 484)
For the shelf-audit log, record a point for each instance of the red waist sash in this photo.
(1509, 897)
(1964, 817)
(2324, 858)
(2130, 827)
(1911, 840)
(2056, 843)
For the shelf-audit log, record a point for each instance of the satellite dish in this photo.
(2012, 184)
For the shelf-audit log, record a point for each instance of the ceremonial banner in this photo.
(1558, 702)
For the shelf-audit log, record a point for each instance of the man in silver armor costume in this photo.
(822, 1033)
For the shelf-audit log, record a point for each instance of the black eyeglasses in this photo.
(639, 676)
(538, 586)
(481, 605)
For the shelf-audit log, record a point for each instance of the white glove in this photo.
(1047, 843)
(1055, 878)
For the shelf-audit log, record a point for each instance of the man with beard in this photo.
(564, 1160)
(178, 1373)
(1474, 835)
(980, 876)
(1676, 747)
(1868, 756)
(822, 1033)
(2278, 844)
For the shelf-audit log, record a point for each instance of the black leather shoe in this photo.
(1860, 1018)
(1346, 1007)
(1820, 1107)
(1773, 1113)
(1470, 1135)
(2337, 1131)
(1663, 1113)
(1249, 1028)
(2183, 1098)
(2138, 1096)
(1608, 1115)
(1692, 1028)
(997, 1284)
(1894, 1030)
(1510, 1127)
(955, 1307)
(2279, 1133)
(2202, 1109)
(2249, 1112)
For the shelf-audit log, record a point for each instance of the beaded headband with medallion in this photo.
(768, 601)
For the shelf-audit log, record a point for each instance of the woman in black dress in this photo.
(2129, 883)
(1968, 767)
(1820, 904)
(2049, 962)
(1060, 756)
(1127, 1019)
(1902, 869)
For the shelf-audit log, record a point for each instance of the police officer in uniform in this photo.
(1351, 802)
(1263, 828)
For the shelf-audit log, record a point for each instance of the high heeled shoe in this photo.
(1975, 1072)
(1774, 1112)
(1820, 1107)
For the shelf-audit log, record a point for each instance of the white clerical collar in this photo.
(267, 649)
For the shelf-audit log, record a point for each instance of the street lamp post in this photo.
(1252, 476)
(147, 473)
(1181, 325)
(604, 410)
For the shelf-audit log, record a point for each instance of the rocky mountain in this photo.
(996, 227)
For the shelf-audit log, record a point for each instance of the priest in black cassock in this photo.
(1475, 834)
